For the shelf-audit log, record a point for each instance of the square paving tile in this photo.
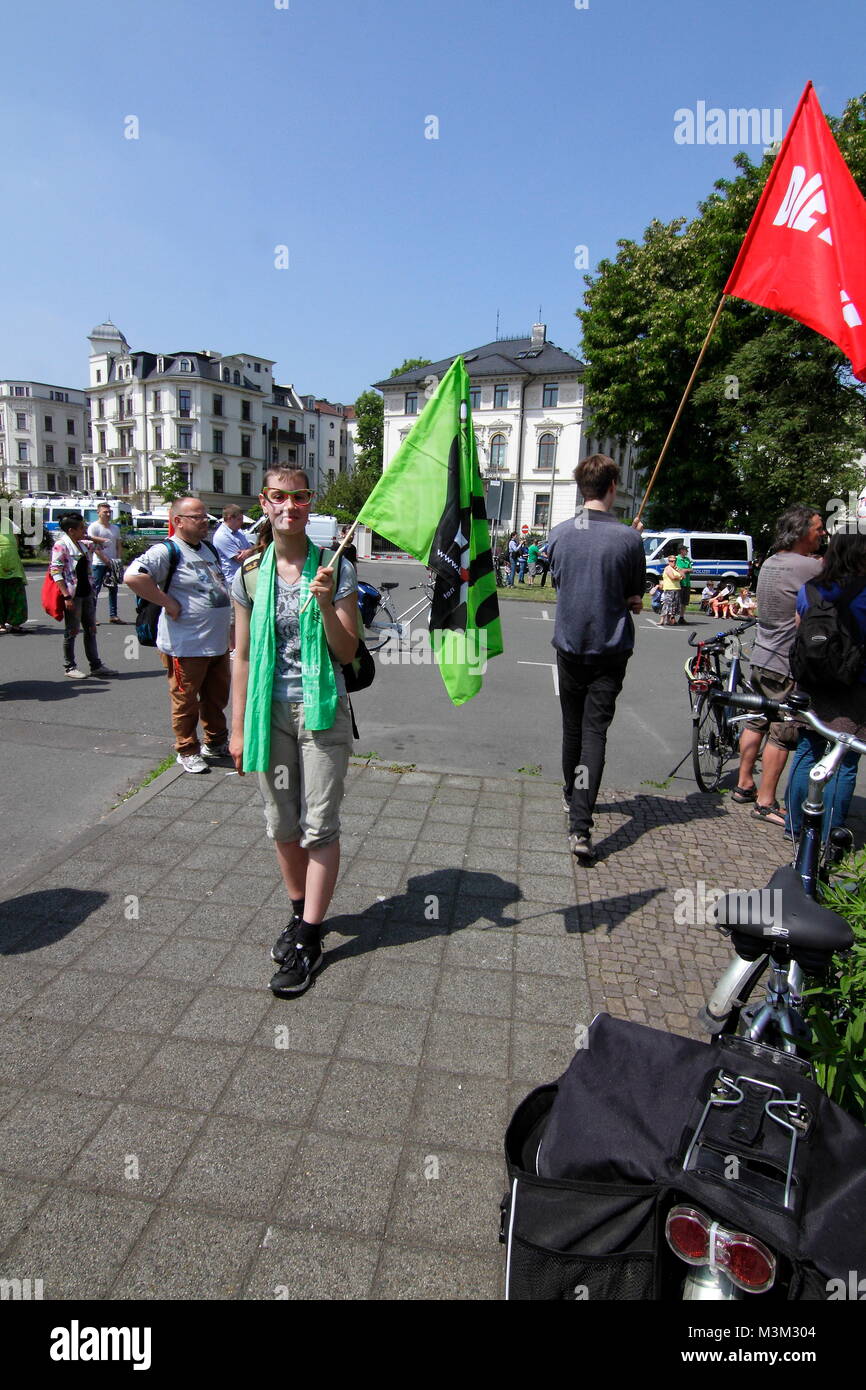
(189, 1257)
(465, 1043)
(44, 1132)
(17, 1200)
(304, 1026)
(181, 1073)
(405, 1273)
(147, 1006)
(447, 1199)
(378, 1033)
(341, 1183)
(137, 1151)
(461, 1111)
(483, 992)
(76, 1243)
(224, 1015)
(276, 1084)
(309, 1265)
(102, 1063)
(237, 1165)
(369, 1100)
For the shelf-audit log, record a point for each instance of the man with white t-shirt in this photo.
(193, 631)
(108, 536)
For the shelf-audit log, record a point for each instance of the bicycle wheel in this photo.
(709, 747)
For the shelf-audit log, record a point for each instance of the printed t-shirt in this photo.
(201, 590)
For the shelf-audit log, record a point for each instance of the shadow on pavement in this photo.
(35, 920)
(428, 907)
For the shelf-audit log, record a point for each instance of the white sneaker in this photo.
(192, 762)
(215, 750)
(73, 674)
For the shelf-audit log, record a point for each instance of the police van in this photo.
(714, 554)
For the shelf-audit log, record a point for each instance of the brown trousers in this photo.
(199, 688)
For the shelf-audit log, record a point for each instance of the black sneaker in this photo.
(285, 942)
(297, 970)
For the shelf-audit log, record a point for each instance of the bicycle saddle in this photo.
(389, 584)
(782, 914)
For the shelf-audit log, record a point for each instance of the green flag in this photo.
(430, 503)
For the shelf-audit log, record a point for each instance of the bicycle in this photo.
(715, 735)
(373, 601)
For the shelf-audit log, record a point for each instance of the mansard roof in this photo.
(503, 357)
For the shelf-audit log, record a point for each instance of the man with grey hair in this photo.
(792, 562)
(184, 577)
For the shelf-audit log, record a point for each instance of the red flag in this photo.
(804, 254)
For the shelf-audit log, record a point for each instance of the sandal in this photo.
(770, 815)
(744, 794)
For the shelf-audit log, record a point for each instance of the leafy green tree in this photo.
(173, 482)
(347, 494)
(370, 415)
(775, 415)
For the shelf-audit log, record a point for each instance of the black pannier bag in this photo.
(596, 1161)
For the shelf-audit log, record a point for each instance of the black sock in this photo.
(309, 934)
(298, 907)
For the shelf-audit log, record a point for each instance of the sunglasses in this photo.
(302, 496)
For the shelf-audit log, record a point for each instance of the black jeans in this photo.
(588, 687)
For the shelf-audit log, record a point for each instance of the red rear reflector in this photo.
(687, 1235)
(750, 1264)
(743, 1258)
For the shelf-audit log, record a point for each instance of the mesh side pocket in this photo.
(548, 1274)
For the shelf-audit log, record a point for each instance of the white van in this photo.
(323, 531)
(714, 554)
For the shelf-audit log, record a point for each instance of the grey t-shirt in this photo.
(597, 564)
(780, 579)
(205, 607)
(288, 683)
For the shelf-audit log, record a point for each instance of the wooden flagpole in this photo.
(681, 407)
(337, 553)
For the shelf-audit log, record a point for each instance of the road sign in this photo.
(524, 530)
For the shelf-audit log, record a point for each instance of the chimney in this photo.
(539, 335)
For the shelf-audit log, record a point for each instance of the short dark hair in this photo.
(69, 519)
(594, 476)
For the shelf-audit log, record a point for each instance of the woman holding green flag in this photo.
(290, 714)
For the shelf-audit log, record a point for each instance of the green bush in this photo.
(836, 1009)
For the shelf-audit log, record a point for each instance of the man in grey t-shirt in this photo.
(193, 632)
(792, 563)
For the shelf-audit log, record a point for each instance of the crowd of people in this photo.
(260, 618)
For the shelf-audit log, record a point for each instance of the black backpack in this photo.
(828, 649)
(146, 612)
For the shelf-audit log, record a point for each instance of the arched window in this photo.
(237, 378)
(227, 376)
(184, 364)
(547, 451)
(498, 447)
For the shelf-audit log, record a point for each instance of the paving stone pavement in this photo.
(170, 1130)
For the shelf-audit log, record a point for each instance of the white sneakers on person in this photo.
(192, 762)
(215, 750)
(73, 674)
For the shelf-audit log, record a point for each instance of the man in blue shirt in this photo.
(231, 543)
(599, 569)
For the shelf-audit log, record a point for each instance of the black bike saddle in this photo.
(389, 584)
(782, 914)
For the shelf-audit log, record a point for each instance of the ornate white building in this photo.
(530, 420)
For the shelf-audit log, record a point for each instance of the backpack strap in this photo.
(250, 575)
(173, 561)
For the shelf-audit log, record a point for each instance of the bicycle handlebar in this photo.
(795, 704)
(721, 636)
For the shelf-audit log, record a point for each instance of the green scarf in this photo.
(317, 671)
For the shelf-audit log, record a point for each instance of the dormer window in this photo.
(237, 378)
(227, 376)
(160, 364)
(184, 364)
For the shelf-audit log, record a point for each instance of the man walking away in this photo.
(791, 564)
(599, 570)
(193, 632)
(107, 557)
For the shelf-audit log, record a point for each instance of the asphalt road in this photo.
(72, 749)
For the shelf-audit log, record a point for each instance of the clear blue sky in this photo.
(305, 127)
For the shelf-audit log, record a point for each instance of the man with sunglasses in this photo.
(193, 632)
